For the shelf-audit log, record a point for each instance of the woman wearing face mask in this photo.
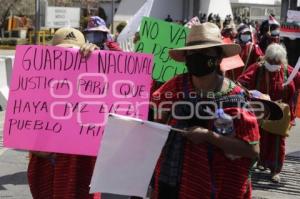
(268, 77)
(270, 33)
(97, 33)
(250, 52)
(204, 162)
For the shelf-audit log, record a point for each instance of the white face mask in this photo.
(245, 38)
(275, 33)
(272, 68)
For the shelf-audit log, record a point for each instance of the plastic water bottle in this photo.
(223, 124)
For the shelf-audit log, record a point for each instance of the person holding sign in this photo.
(213, 159)
(59, 175)
(269, 76)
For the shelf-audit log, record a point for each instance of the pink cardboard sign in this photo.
(59, 100)
(233, 62)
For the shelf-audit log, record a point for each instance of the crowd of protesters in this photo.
(206, 162)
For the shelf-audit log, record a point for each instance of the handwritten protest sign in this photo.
(157, 37)
(231, 63)
(59, 100)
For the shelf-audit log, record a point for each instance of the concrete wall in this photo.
(161, 8)
(107, 7)
(222, 8)
(6, 64)
(127, 9)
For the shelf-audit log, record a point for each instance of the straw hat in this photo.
(206, 35)
(274, 109)
(68, 37)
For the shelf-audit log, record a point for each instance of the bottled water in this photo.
(223, 124)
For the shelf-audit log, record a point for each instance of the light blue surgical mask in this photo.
(245, 38)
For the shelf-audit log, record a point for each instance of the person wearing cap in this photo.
(269, 76)
(55, 175)
(97, 33)
(250, 52)
(202, 163)
(269, 33)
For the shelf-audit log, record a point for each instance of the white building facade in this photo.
(256, 10)
(186, 9)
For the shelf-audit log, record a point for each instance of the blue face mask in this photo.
(245, 38)
(96, 37)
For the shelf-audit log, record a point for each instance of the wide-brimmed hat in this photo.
(96, 23)
(68, 37)
(274, 109)
(206, 35)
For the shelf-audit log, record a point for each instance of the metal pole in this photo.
(196, 9)
(284, 9)
(112, 15)
(37, 20)
(293, 4)
(10, 23)
(184, 10)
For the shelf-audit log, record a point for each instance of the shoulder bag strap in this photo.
(248, 57)
(267, 78)
(285, 88)
(285, 76)
(260, 72)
